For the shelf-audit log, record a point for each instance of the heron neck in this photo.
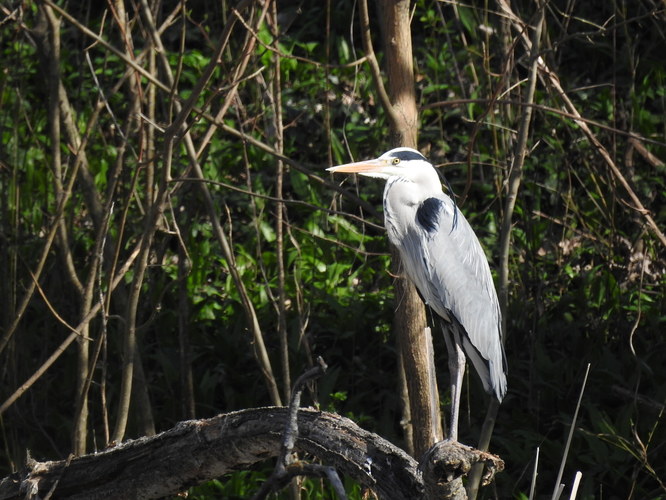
(402, 198)
(404, 191)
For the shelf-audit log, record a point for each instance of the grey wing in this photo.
(457, 281)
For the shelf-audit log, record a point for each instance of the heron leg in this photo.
(456, 371)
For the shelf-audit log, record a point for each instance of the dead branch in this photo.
(199, 450)
(196, 451)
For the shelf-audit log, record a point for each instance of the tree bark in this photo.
(195, 451)
(414, 342)
(198, 450)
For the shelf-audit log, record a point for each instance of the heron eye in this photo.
(395, 161)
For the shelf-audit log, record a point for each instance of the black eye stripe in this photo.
(408, 155)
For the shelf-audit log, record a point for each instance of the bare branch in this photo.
(374, 65)
(286, 467)
(71, 338)
(553, 80)
(195, 451)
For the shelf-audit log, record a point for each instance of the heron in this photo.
(443, 258)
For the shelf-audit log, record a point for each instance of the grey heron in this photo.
(442, 256)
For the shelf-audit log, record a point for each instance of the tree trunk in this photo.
(414, 342)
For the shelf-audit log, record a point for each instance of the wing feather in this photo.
(449, 267)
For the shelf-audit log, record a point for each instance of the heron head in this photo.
(398, 162)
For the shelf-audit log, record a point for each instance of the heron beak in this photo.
(361, 167)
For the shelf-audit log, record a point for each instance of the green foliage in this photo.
(243, 484)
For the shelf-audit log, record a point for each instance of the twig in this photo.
(131, 368)
(175, 132)
(49, 494)
(636, 144)
(283, 55)
(534, 474)
(634, 138)
(374, 65)
(67, 342)
(291, 432)
(499, 90)
(307, 170)
(100, 91)
(574, 488)
(281, 209)
(79, 173)
(96, 274)
(65, 194)
(50, 307)
(554, 82)
(287, 467)
(515, 173)
(286, 201)
(261, 353)
(97, 38)
(557, 491)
